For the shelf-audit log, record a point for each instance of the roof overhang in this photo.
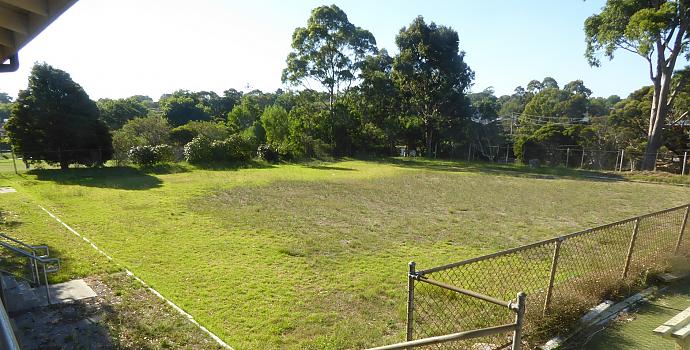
(23, 20)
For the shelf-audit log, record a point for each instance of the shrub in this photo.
(234, 148)
(198, 150)
(202, 150)
(268, 153)
(149, 155)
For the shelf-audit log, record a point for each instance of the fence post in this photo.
(410, 299)
(682, 229)
(685, 162)
(582, 161)
(622, 158)
(656, 158)
(567, 157)
(519, 320)
(469, 152)
(552, 276)
(633, 238)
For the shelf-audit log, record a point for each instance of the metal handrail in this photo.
(43, 260)
(7, 338)
(33, 248)
(475, 333)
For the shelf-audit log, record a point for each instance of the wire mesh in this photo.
(589, 266)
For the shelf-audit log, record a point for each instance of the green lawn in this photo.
(309, 256)
(634, 331)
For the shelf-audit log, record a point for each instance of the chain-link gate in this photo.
(562, 276)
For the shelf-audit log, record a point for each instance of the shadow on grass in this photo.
(328, 167)
(220, 166)
(125, 178)
(500, 169)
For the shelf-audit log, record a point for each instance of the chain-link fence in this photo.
(563, 277)
(11, 161)
(580, 158)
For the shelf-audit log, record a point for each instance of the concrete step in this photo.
(22, 297)
(8, 282)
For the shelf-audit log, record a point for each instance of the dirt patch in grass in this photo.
(123, 315)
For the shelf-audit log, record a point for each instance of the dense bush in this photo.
(235, 148)
(148, 131)
(149, 155)
(198, 150)
(268, 153)
(182, 135)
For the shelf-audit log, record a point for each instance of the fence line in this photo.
(582, 158)
(563, 276)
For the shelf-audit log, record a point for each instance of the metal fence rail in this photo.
(562, 276)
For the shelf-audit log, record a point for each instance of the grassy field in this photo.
(310, 256)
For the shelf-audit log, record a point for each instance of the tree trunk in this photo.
(657, 119)
(429, 141)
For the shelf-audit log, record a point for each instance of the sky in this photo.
(120, 48)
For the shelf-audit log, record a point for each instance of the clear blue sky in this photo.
(119, 48)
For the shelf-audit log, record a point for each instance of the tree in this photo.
(54, 120)
(432, 76)
(330, 51)
(656, 30)
(152, 130)
(183, 106)
(276, 122)
(115, 113)
(549, 83)
(577, 87)
(5, 98)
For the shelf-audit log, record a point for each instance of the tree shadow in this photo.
(328, 167)
(501, 169)
(124, 178)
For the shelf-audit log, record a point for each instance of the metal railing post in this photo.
(519, 320)
(552, 276)
(45, 276)
(631, 247)
(682, 230)
(410, 299)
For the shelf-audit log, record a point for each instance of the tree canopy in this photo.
(54, 120)
(659, 32)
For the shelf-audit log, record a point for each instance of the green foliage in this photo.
(268, 153)
(234, 148)
(5, 98)
(150, 155)
(152, 130)
(276, 123)
(115, 113)
(204, 150)
(198, 150)
(544, 141)
(181, 135)
(328, 50)
(54, 120)
(432, 76)
(183, 106)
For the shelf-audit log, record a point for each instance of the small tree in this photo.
(54, 120)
